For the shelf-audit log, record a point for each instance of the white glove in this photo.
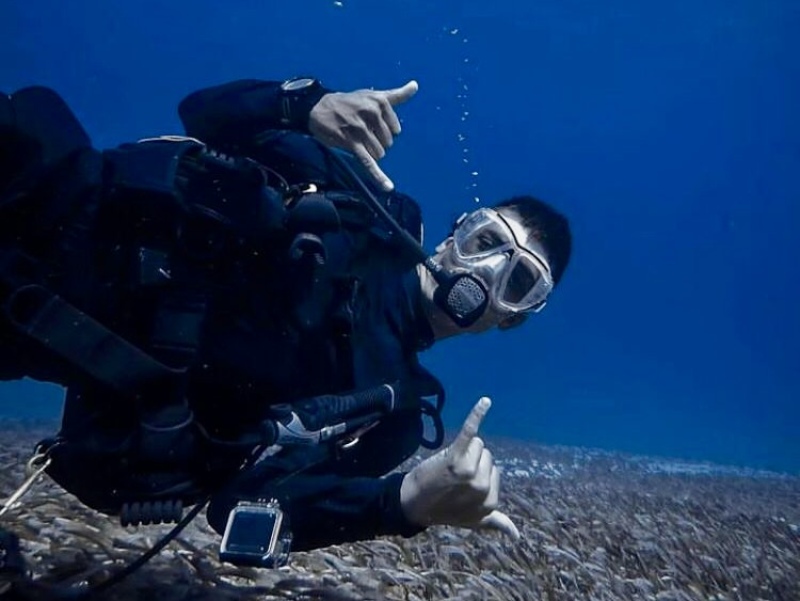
(362, 122)
(459, 486)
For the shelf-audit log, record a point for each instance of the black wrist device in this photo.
(298, 96)
(257, 534)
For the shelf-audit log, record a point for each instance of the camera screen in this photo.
(251, 531)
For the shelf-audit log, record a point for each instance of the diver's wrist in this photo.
(396, 520)
(298, 96)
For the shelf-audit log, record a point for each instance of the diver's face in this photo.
(510, 265)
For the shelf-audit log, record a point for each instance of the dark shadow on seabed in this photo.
(595, 525)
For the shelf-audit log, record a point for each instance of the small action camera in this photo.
(257, 535)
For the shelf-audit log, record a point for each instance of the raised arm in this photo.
(233, 114)
(325, 506)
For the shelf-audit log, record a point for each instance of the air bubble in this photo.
(461, 94)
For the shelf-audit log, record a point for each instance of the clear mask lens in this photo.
(524, 285)
(521, 281)
(477, 236)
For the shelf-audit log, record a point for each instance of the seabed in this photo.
(596, 526)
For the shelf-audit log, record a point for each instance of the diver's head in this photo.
(514, 254)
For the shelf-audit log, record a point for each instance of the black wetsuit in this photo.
(252, 357)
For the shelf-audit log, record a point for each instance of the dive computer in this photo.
(298, 96)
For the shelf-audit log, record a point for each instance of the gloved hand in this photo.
(458, 486)
(362, 122)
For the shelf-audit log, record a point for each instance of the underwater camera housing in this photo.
(256, 535)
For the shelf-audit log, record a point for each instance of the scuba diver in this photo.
(236, 315)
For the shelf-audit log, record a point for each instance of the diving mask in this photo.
(518, 279)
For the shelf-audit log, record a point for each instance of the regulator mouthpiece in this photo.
(460, 295)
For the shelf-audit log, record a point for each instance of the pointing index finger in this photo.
(471, 425)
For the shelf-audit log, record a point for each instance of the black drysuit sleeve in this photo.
(324, 507)
(231, 115)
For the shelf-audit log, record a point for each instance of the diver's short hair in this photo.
(545, 225)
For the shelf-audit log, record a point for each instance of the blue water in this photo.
(668, 132)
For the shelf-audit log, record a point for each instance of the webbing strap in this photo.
(87, 345)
